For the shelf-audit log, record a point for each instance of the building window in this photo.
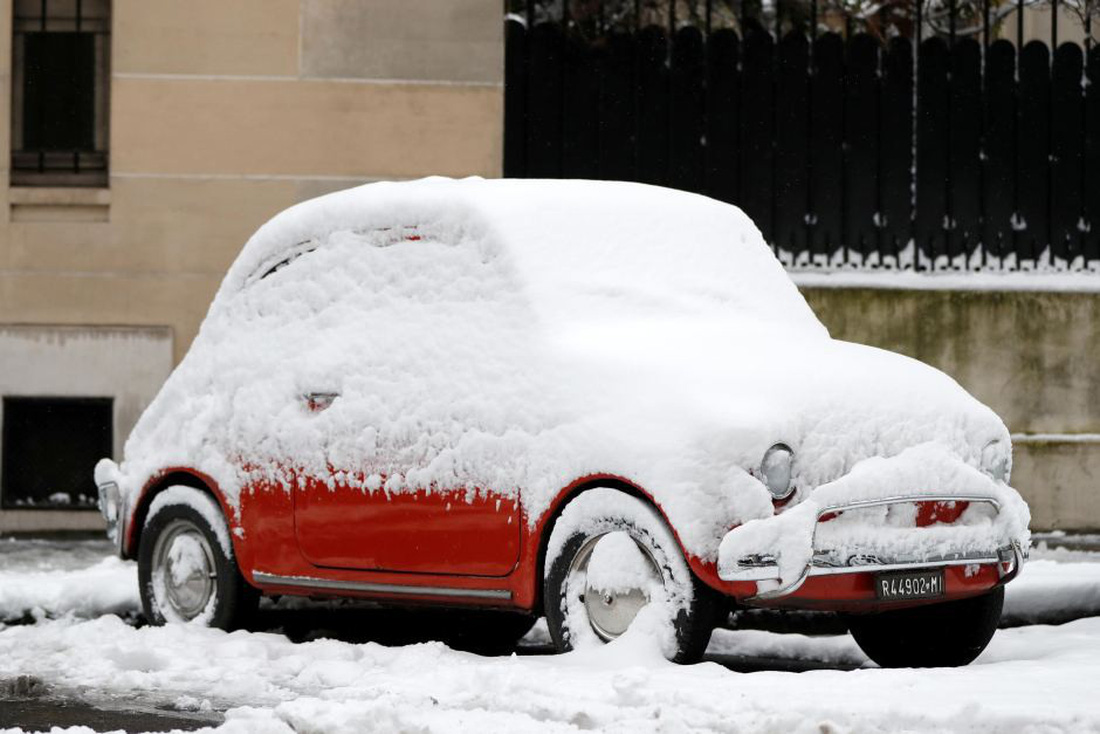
(60, 84)
(50, 448)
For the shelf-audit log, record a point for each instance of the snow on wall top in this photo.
(518, 335)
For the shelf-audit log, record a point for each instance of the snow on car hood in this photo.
(518, 335)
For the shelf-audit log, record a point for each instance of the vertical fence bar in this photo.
(964, 205)
(757, 128)
(1051, 213)
(792, 144)
(1034, 150)
(933, 153)
(999, 146)
(809, 218)
(723, 144)
(1017, 239)
(1067, 151)
(1092, 156)
(860, 180)
(686, 108)
(950, 238)
(652, 107)
(515, 98)
(1086, 221)
(618, 123)
(915, 197)
(581, 106)
(544, 105)
(896, 182)
(827, 129)
(982, 154)
(774, 203)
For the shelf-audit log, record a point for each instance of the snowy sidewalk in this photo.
(1037, 678)
(1033, 678)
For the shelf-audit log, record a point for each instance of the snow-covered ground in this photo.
(1037, 678)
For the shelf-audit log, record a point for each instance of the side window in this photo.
(277, 263)
(60, 78)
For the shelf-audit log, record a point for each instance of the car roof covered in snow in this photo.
(576, 247)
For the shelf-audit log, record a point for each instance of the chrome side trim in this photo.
(307, 582)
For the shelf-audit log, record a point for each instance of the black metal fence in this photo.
(922, 142)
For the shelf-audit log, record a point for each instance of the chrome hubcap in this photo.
(185, 575)
(621, 587)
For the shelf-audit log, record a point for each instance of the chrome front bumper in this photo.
(764, 569)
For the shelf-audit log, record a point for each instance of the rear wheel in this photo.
(186, 568)
(949, 634)
(612, 560)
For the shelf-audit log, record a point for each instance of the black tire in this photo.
(593, 515)
(943, 635)
(484, 632)
(190, 514)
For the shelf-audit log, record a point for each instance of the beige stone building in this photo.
(200, 120)
(195, 121)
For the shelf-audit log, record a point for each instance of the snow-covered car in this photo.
(597, 401)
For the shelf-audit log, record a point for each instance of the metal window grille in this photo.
(60, 85)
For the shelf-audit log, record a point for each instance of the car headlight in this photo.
(775, 470)
(996, 461)
(110, 506)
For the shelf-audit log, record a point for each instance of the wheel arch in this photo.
(545, 525)
(176, 476)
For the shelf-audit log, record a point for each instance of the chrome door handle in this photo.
(318, 401)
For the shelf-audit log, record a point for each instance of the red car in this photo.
(592, 401)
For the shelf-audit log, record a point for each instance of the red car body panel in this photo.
(435, 532)
(433, 540)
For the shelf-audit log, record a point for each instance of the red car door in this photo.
(424, 531)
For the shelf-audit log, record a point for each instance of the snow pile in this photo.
(1029, 679)
(108, 587)
(1051, 592)
(515, 336)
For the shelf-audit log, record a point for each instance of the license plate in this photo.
(909, 585)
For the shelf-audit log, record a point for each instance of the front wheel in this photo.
(610, 561)
(948, 634)
(186, 568)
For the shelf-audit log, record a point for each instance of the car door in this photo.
(414, 328)
(421, 531)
